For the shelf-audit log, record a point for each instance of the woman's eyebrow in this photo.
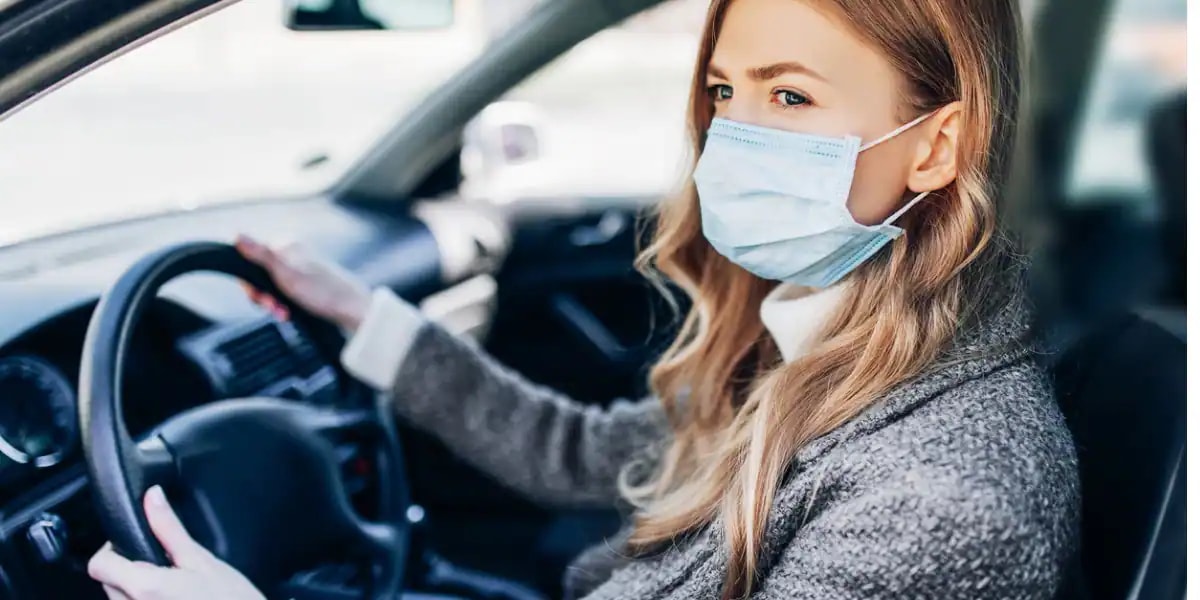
(715, 71)
(775, 70)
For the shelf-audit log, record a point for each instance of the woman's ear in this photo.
(935, 164)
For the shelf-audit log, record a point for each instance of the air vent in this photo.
(308, 360)
(262, 357)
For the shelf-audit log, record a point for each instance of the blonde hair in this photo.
(739, 416)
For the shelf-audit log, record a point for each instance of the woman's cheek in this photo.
(879, 187)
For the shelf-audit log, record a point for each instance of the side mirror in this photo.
(345, 15)
(503, 141)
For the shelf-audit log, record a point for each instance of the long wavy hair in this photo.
(739, 414)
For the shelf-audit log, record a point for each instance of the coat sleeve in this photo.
(922, 535)
(532, 439)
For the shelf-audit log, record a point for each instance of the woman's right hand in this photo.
(317, 285)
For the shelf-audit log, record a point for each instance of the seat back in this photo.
(1122, 389)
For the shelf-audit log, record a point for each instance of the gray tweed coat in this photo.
(959, 484)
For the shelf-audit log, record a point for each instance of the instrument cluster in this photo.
(38, 422)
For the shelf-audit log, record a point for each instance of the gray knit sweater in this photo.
(959, 484)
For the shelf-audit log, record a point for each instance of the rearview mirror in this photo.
(344, 15)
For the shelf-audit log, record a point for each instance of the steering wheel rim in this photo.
(121, 470)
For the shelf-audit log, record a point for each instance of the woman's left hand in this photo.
(196, 574)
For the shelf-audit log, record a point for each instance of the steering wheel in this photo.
(256, 480)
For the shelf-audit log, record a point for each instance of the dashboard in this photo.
(201, 340)
(37, 427)
(39, 372)
(178, 360)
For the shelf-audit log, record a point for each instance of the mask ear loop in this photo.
(896, 132)
(904, 209)
(893, 134)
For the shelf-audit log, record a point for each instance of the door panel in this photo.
(573, 312)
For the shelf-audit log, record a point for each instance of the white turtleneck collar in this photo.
(795, 315)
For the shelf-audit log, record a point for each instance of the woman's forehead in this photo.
(776, 30)
(755, 33)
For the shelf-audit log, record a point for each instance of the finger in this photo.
(280, 264)
(114, 593)
(250, 290)
(280, 312)
(262, 299)
(174, 537)
(114, 570)
(254, 250)
(265, 300)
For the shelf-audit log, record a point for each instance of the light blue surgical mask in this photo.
(775, 202)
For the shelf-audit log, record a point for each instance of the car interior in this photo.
(125, 342)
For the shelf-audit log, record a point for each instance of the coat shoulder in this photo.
(984, 472)
(1001, 432)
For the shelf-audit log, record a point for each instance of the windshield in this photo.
(232, 107)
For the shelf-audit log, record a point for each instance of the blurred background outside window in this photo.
(1142, 62)
(230, 107)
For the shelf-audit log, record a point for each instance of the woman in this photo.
(878, 428)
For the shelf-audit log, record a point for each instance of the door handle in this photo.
(607, 228)
(584, 324)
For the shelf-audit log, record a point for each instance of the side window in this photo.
(234, 106)
(605, 119)
(1143, 63)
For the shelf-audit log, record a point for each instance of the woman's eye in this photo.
(720, 92)
(790, 99)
